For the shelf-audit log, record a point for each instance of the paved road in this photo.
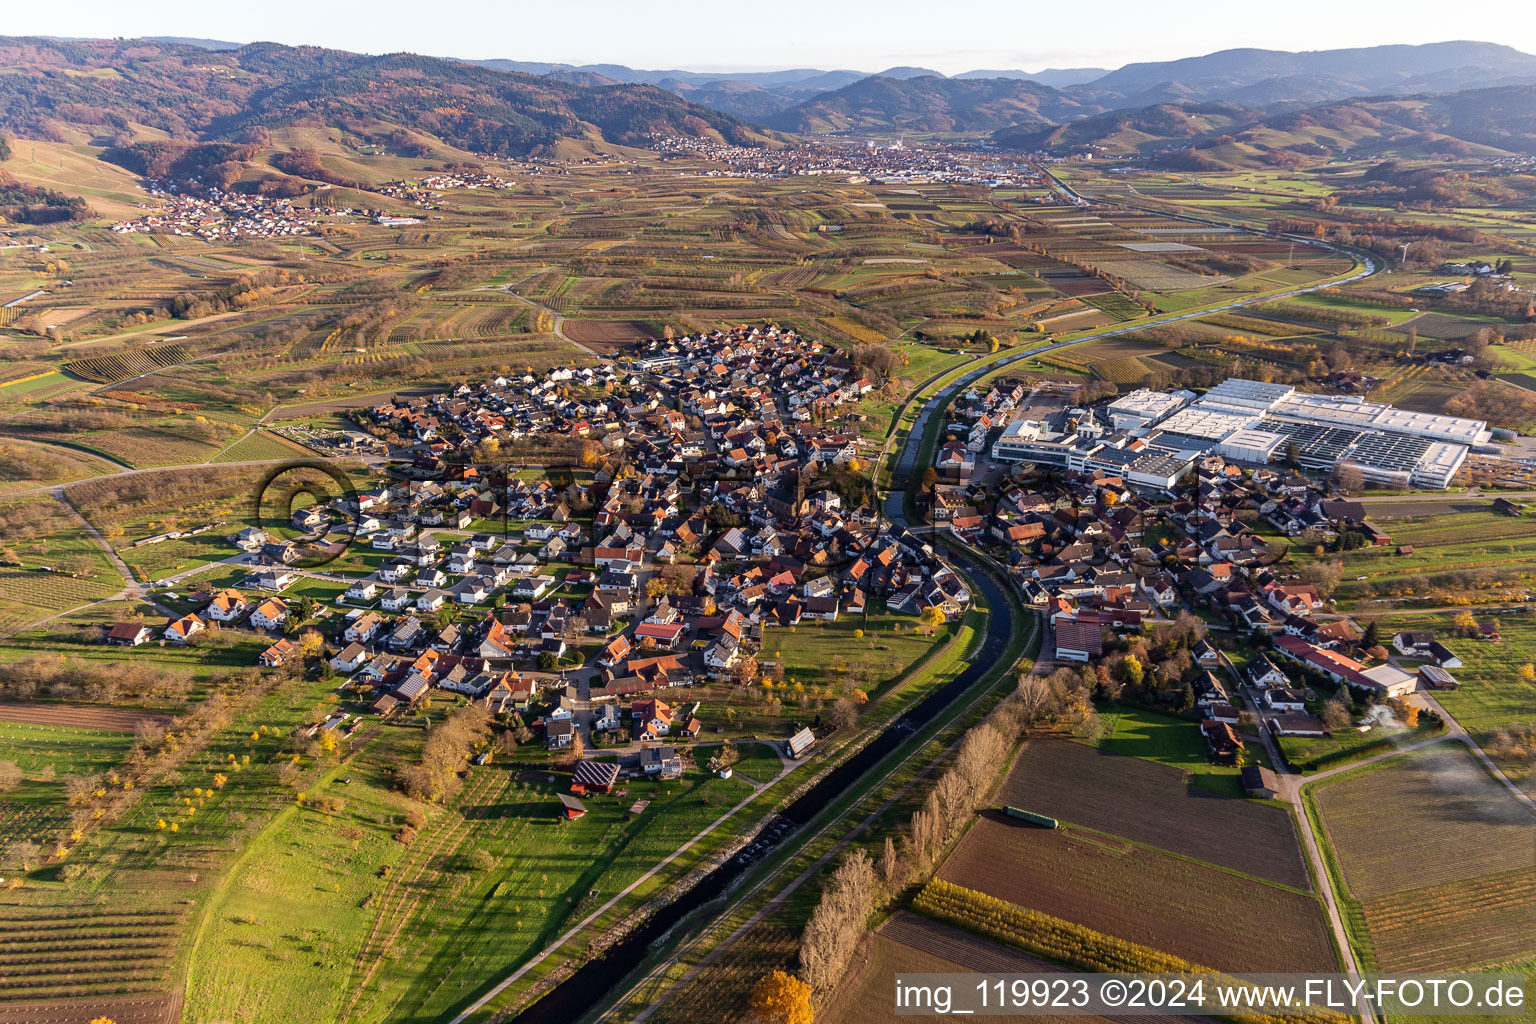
(1470, 494)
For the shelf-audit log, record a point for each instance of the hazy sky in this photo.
(948, 35)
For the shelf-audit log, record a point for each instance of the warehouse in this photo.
(1317, 447)
(1352, 412)
(1238, 394)
(1144, 407)
(1250, 445)
(1200, 428)
(1439, 465)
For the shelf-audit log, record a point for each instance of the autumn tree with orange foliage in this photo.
(780, 998)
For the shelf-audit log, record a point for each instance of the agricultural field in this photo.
(141, 447)
(1198, 912)
(59, 750)
(89, 951)
(337, 907)
(732, 975)
(608, 337)
(122, 365)
(1447, 881)
(260, 447)
(25, 465)
(55, 567)
(1451, 822)
(1153, 805)
(1461, 554)
(79, 716)
(910, 944)
(1481, 921)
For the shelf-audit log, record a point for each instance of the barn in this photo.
(571, 808)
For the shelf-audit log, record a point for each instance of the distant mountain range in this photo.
(931, 104)
(1199, 136)
(1249, 75)
(1231, 107)
(59, 89)
(922, 100)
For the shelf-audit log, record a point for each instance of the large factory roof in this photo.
(1207, 424)
(1247, 394)
(1375, 416)
(1148, 404)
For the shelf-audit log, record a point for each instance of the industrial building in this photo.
(1142, 465)
(1394, 447)
(1144, 408)
(1247, 445)
(1158, 435)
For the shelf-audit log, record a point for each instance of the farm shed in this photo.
(1078, 639)
(1297, 723)
(1437, 678)
(1260, 782)
(799, 743)
(131, 634)
(571, 808)
(1390, 680)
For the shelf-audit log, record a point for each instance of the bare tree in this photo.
(24, 852)
(1335, 714)
(1036, 699)
(845, 714)
(892, 870)
(838, 921)
(1348, 477)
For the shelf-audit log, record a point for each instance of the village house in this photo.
(270, 614)
(179, 631)
(226, 606)
(129, 634)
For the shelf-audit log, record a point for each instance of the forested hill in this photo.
(928, 103)
(104, 90)
(1209, 136)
